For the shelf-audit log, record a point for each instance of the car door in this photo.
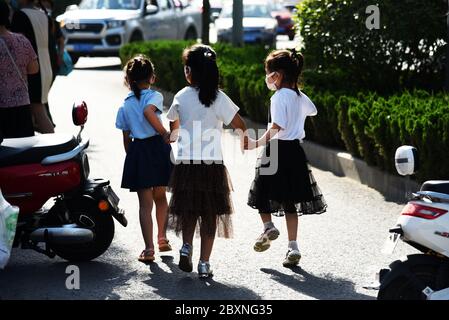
(153, 27)
(169, 22)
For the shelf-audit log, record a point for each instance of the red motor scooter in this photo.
(79, 226)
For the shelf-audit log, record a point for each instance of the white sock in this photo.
(293, 245)
(268, 225)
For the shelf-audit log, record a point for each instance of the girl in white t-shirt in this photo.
(200, 183)
(284, 184)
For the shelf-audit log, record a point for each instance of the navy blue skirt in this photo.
(147, 164)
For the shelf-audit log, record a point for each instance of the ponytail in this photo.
(138, 70)
(135, 88)
(290, 62)
(205, 75)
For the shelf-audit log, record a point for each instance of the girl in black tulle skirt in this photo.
(284, 184)
(200, 183)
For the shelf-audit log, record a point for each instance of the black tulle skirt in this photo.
(284, 182)
(201, 196)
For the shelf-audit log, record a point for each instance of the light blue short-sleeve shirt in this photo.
(130, 115)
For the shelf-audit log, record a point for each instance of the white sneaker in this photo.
(292, 258)
(264, 240)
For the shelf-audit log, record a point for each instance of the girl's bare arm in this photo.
(174, 126)
(150, 115)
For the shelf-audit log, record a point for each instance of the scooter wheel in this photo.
(409, 279)
(103, 230)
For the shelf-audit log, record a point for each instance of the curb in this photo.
(342, 164)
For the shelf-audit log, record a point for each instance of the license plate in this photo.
(113, 198)
(84, 47)
(391, 243)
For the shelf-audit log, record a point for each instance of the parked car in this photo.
(258, 24)
(101, 27)
(291, 5)
(286, 26)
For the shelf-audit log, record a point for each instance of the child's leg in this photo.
(160, 199)
(293, 255)
(266, 217)
(292, 226)
(207, 243)
(188, 231)
(146, 222)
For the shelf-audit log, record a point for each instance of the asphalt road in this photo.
(341, 248)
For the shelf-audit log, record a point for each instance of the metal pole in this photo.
(446, 85)
(237, 25)
(205, 22)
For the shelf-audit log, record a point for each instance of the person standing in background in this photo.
(35, 25)
(57, 37)
(17, 60)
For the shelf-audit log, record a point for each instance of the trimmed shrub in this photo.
(406, 52)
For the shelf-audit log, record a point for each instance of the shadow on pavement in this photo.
(180, 285)
(323, 288)
(42, 278)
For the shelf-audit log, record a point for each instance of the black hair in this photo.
(138, 70)
(201, 60)
(4, 14)
(289, 62)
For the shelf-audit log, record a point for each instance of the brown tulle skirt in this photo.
(201, 195)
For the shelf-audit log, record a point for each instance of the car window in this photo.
(111, 4)
(164, 4)
(249, 11)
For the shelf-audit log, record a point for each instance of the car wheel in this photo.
(191, 34)
(136, 36)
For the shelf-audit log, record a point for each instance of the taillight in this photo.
(420, 211)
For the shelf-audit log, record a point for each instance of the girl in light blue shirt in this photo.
(148, 163)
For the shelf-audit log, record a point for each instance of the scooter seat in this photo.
(441, 186)
(30, 150)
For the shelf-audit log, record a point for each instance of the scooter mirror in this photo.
(79, 113)
(406, 160)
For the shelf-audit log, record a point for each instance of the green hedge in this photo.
(367, 125)
(408, 49)
(372, 127)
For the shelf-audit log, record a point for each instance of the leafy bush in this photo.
(406, 52)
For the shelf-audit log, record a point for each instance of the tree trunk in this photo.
(446, 85)
(237, 25)
(205, 22)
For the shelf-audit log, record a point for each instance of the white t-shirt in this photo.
(200, 126)
(289, 111)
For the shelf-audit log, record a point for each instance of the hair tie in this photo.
(209, 55)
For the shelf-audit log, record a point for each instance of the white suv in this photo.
(101, 27)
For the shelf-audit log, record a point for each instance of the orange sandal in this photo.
(147, 256)
(164, 245)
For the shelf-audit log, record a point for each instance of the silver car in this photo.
(101, 27)
(258, 24)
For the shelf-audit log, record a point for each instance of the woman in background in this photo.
(36, 26)
(17, 60)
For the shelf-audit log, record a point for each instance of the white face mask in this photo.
(270, 85)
